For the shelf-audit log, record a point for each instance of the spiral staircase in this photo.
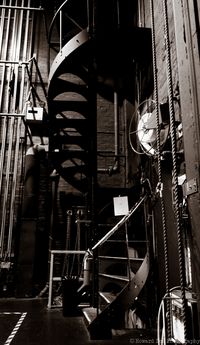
(123, 264)
(121, 258)
(68, 110)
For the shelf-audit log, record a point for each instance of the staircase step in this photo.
(110, 276)
(79, 125)
(66, 105)
(61, 85)
(108, 297)
(121, 258)
(90, 314)
(60, 156)
(69, 140)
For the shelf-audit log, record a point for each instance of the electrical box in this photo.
(34, 115)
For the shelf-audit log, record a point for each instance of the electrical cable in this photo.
(162, 203)
(174, 164)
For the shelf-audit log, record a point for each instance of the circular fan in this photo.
(142, 129)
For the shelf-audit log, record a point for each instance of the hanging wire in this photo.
(159, 186)
(174, 163)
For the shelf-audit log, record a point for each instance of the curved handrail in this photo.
(54, 18)
(120, 223)
(69, 47)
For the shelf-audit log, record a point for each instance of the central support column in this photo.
(92, 160)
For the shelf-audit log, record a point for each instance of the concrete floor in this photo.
(30, 322)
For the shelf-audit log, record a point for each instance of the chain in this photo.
(174, 162)
(160, 184)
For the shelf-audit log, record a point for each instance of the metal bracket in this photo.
(191, 187)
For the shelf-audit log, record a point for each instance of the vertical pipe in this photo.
(16, 45)
(54, 182)
(60, 29)
(5, 120)
(139, 13)
(7, 178)
(11, 56)
(29, 52)
(125, 141)
(118, 14)
(50, 280)
(2, 27)
(127, 249)
(92, 159)
(16, 55)
(18, 131)
(116, 123)
(13, 191)
(65, 270)
(4, 138)
(78, 238)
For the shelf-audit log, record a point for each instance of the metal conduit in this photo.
(15, 38)
(2, 26)
(5, 121)
(10, 135)
(5, 199)
(3, 125)
(13, 191)
(18, 131)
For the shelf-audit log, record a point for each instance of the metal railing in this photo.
(59, 14)
(120, 223)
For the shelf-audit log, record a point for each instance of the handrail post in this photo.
(60, 29)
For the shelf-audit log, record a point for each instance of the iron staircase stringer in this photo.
(100, 322)
(68, 112)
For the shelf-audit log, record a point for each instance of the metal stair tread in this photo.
(73, 170)
(90, 314)
(110, 276)
(63, 102)
(80, 124)
(119, 258)
(109, 297)
(66, 85)
(68, 153)
(70, 140)
(73, 68)
(68, 105)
